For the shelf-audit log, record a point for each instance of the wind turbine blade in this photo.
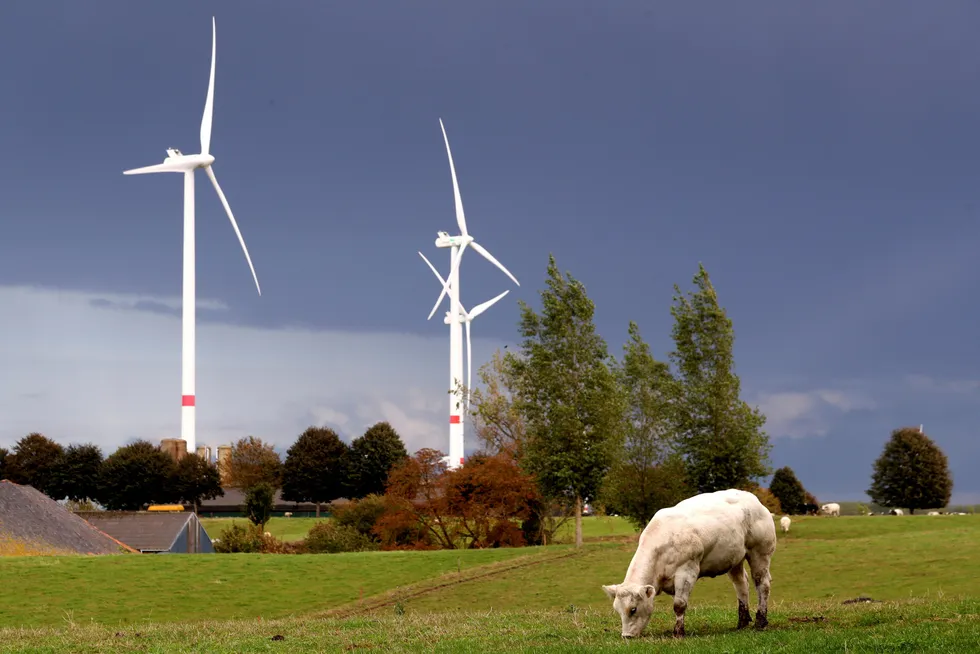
(460, 218)
(433, 269)
(231, 216)
(445, 283)
(156, 168)
(480, 308)
(489, 257)
(209, 103)
(469, 365)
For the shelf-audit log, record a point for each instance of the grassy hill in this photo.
(546, 599)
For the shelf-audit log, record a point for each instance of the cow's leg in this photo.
(759, 564)
(684, 580)
(741, 583)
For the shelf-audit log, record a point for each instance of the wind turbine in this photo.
(177, 162)
(457, 244)
(467, 318)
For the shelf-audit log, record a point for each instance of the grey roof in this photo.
(234, 499)
(29, 516)
(148, 531)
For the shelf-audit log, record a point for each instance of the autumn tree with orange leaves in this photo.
(475, 506)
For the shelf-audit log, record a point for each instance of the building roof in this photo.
(30, 517)
(144, 531)
(234, 499)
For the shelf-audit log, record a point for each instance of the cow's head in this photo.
(634, 603)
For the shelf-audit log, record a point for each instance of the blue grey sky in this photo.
(820, 159)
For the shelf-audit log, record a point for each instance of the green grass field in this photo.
(287, 529)
(924, 568)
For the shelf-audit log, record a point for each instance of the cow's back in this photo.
(724, 525)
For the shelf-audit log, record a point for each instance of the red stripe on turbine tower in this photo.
(186, 400)
(454, 420)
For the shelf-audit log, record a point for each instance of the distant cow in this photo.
(810, 509)
(784, 523)
(933, 513)
(833, 508)
(896, 512)
(288, 514)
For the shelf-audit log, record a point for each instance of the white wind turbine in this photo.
(457, 245)
(176, 162)
(467, 317)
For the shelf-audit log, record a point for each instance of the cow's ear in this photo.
(611, 590)
(650, 591)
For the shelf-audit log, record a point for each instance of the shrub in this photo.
(361, 514)
(767, 498)
(240, 538)
(331, 538)
(259, 502)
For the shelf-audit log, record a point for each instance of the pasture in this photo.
(921, 570)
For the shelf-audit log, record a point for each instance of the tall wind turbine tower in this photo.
(176, 162)
(457, 245)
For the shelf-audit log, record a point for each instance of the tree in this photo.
(912, 472)
(721, 436)
(4, 453)
(315, 468)
(260, 500)
(33, 462)
(414, 513)
(648, 475)
(498, 423)
(474, 506)
(788, 490)
(371, 458)
(567, 394)
(252, 462)
(76, 473)
(136, 475)
(197, 480)
(500, 429)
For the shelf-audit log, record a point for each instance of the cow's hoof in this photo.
(761, 622)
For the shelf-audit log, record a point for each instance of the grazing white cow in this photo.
(784, 523)
(833, 508)
(933, 513)
(288, 514)
(897, 512)
(707, 535)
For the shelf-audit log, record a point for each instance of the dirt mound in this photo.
(33, 523)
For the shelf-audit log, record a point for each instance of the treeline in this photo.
(130, 478)
(318, 468)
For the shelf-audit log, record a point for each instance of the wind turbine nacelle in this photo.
(447, 241)
(188, 161)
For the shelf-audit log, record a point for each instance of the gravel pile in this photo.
(32, 520)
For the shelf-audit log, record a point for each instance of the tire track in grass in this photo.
(392, 597)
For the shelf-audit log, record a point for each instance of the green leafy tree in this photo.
(315, 468)
(721, 436)
(567, 393)
(136, 475)
(912, 472)
(648, 474)
(788, 490)
(4, 453)
(251, 462)
(197, 480)
(497, 421)
(371, 458)
(260, 499)
(77, 472)
(33, 462)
